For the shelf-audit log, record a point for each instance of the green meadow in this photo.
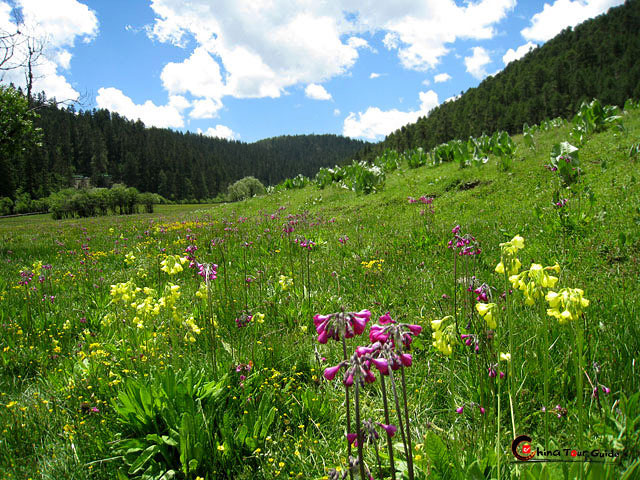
(123, 358)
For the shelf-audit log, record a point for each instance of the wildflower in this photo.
(505, 357)
(508, 258)
(285, 282)
(172, 264)
(341, 324)
(459, 410)
(567, 304)
(532, 281)
(443, 332)
(487, 311)
(243, 320)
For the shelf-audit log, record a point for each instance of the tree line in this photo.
(108, 148)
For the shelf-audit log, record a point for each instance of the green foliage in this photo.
(415, 158)
(18, 136)
(591, 118)
(564, 159)
(6, 206)
(165, 421)
(245, 188)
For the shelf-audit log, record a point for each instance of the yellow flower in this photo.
(567, 304)
(505, 357)
(11, 404)
(172, 264)
(443, 333)
(258, 317)
(285, 282)
(487, 310)
(508, 258)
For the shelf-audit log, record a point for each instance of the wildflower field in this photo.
(420, 329)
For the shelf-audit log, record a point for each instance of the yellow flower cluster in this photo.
(373, 264)
(567, 304)
(538, 278)
(172, 264)
(443, 331)
(285, 282)
(190, 323)
(488, 311)
(129, 258)
(124, 292)
(508, 258)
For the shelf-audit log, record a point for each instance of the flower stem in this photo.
(406, 418)
(359, 431)
(400, 422)
(348, 404)
(385, 403)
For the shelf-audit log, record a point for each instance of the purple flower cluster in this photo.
(465, 244)
(341, 324)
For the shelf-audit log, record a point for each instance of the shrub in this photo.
(245, 188)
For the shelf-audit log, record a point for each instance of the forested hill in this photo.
(109, 148)
(597, 59)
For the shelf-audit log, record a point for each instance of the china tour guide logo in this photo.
(524, 452)
(521, 448)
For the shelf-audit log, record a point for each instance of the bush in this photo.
(6, 206)
(245, 188)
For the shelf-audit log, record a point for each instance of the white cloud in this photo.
(152, 115)
(336, 112)
(198, 75)
(220, 131)
(357, 42)
(263, 48)
(205, 108)
(452, 99)
(317, 92)
(374, 75)
(564, 13)
(56, 25)
(375, 123)
(518, 53)
(441, 77)
(477, 62)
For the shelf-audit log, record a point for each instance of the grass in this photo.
(64, 365)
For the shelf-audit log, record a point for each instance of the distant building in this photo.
(80, 181)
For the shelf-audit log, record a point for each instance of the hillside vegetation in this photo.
(182, 343)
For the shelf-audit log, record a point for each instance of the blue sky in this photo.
(252, 69)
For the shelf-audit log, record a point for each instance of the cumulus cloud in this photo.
(562, 14)
(477, 62)
(317, 92)
(63, 22)
(374, 75)
(152, 115)
(375, 123)
(262, 48)
(220, 131)
(518, 53)
(441, 77)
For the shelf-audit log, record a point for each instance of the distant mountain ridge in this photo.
(597, 59)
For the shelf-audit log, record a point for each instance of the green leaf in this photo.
(143, 458)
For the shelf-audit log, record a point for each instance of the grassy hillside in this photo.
(99, 377)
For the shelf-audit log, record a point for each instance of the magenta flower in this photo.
(352, 438)
(406, 359)
(390, 429)
(330, 372)
(459, 410)
(381, 364)
(341, 324)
